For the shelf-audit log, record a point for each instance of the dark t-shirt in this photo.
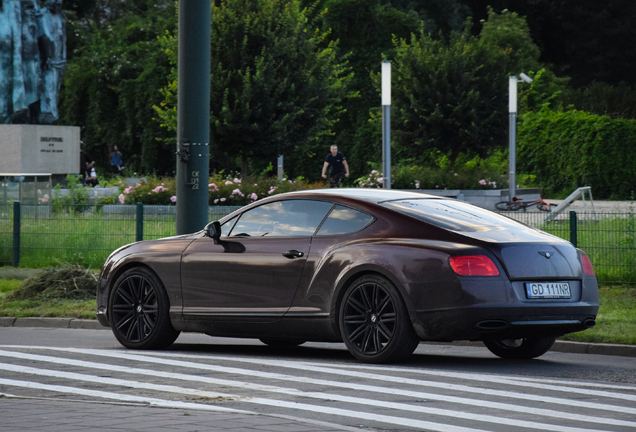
(335, 162)
(85, 159)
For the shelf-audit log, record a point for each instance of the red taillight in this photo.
(473, 265)
(587, 265)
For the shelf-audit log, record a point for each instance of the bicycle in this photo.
(518, 204)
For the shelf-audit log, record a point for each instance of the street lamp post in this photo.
(386, 123)
(193, 116)
(512, 109)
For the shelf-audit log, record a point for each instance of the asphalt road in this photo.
(73, 379)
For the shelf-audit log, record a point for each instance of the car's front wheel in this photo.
(520, 348)
(374, 322)
(139, 311)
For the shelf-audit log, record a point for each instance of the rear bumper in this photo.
(493, 323)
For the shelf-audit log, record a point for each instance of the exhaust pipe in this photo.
(490, 325)
(589, 323)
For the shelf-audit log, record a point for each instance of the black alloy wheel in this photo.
(519, 349)
(374, 322)
(139, 309)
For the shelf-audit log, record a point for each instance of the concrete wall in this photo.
(39, 149)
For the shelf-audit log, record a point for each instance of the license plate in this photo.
(548, 290)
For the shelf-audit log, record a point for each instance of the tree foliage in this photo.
(276, 86)
(111, 85)
(570, 149)
(451, 96)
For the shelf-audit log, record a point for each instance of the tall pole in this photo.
(512, 162)
(386, 123)
(193, 115)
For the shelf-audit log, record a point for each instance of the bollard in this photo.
(16, 233)
(573, 228)
(140, 222)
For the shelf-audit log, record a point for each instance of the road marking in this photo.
(335, 371)
(328, 396)
(535, 383)
(420, 424)
(117, 396)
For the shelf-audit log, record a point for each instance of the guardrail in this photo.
(39, 235)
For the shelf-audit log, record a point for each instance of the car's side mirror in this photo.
(213, 229)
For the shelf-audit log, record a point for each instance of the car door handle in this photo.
(293, 254)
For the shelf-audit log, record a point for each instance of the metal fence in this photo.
(39, 235)
(36, 235)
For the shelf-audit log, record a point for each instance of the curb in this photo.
(71, 323)
(559, 345)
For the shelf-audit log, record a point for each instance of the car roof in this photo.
(369, 195)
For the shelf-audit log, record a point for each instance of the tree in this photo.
(111, 84)
(584, 39)
(274, 88)
(451, 96)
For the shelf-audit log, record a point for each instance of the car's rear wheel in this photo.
(139, 311)
(520, 348)
(274, 342)
(374, 322)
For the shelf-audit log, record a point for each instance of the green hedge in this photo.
(570, 149)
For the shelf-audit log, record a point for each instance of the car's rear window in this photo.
(451, 214)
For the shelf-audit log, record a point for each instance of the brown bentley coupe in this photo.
(380, 270)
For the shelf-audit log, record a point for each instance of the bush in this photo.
(222, 190)
(467, 172)
(570, 149)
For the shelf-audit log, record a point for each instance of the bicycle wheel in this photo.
(547, 207)
(507, 206)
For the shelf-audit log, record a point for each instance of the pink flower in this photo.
(128, 190)
(237, 192)
(254, 197)
(236, 180)
(216, 201)
(482, 182)
(173, 198)
(222, 200)
(228, 182)
(417, 184)
(122, 198)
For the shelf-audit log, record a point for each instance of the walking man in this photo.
(338, 167)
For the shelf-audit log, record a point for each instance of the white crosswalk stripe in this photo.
(377, 395)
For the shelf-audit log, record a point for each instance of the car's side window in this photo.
(344, 220)
(290, 218)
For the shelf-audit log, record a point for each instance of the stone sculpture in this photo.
(32, 60)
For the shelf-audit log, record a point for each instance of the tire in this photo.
(507, 206)
(282, 342)
(374, 323)
(139, 311)
(527, 348)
